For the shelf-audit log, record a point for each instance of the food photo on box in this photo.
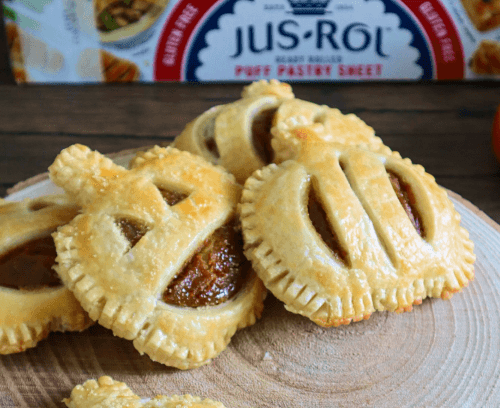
(70, 41)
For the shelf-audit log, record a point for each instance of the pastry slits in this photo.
(208, 129)
(172, 197)
(132, 230)
(379, 236)
(322, 226)
(407, 199)
(261, 134)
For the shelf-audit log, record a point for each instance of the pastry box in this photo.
(81, 41)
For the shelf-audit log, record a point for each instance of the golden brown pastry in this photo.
(272, 87)
(120, 19)
(116, 69)
(237, 135)
(156, 255)
(484, 14)
(298, 122)
(33, 301)
(269, 125)
(341, 232)
(486, 59)
(108, 393)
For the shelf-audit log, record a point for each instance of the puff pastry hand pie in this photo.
(237, 136)
(33, 301)
(341, 232)
(156, 255)
(484, 14)
(108, 393)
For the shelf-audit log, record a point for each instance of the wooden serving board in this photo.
(443, 354)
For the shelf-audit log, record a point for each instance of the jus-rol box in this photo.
(63, 41)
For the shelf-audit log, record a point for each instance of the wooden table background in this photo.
(446, 127)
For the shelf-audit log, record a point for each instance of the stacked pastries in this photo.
(175, 255)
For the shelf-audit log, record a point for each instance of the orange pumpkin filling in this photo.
(29, 266)
(261, 132)
(321, 224)
(172, 197)
(214, 274)
(407, 199)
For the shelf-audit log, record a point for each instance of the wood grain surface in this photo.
(443, 354)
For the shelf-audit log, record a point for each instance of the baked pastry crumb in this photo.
(108, 393)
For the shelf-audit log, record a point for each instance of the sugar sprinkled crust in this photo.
(298, 122)
(389, 266)
(121, 286)
(108, 393)
(28, 316)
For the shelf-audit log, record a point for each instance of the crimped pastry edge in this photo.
(327, 310)
(21, 336)
(159, 343)
(41, 306)
(155, 341)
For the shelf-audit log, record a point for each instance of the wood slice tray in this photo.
(444, 353)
